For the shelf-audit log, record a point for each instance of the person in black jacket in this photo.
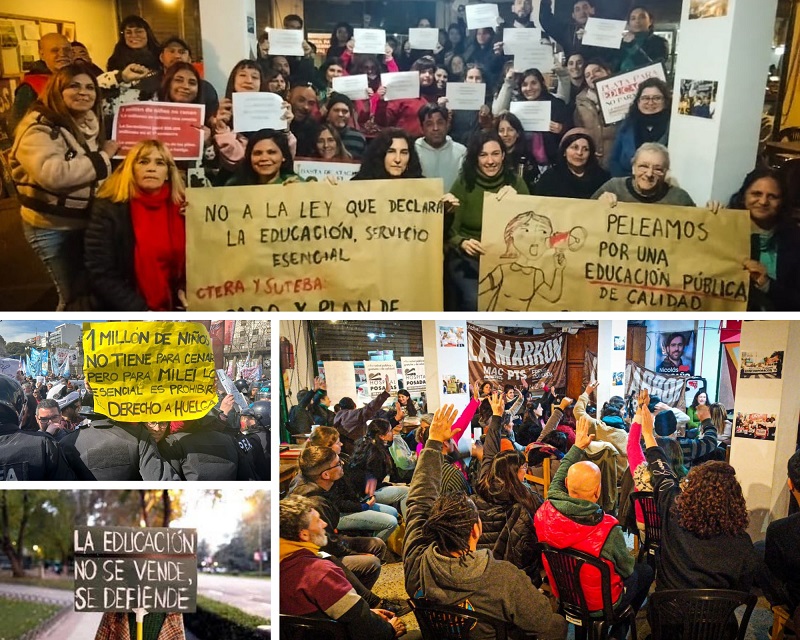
(254, 429)
(640, 46)
(26, 455)
(774, 260)
(505, 503)
(135, 245)
(577, 173)
(705, 544)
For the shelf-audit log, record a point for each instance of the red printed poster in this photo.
(178, 126)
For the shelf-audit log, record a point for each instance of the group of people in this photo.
(473, 531)
(50, 430)
(112, 235)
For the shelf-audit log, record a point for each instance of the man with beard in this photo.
(404, 114)
(673, 363)
(314, 586)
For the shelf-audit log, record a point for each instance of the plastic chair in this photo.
(565, 566)
(448, 622)
(699, 614)
(652, 526)
(310, 628)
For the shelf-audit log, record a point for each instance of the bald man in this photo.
(306, 114)
(571, 518)
(55, 52)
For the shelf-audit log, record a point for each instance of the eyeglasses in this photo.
(338, 464)
(653, 99)
(47, 418)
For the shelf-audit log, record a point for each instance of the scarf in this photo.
(767, 249)
(651, 128)
(159, 254)
(288, 547)
(654, 197)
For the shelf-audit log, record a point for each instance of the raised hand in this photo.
(441, 428)
(565, 402)
(591, 387)
(497, 402)
(582, 437)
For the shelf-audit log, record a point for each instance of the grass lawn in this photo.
(65, 584)
(17, 616)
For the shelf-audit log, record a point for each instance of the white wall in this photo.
(95, 21)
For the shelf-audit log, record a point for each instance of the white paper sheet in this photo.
(354, 87)
(513, 37)
(423, 39)
(534, 55)
(535, 115)
(253, 111)
(402, 85)
(466, 96)
(286, 42)
(604, 33)
(481, 16)
(369, 41)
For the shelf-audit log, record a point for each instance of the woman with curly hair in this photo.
(704, 544)
(391, 155)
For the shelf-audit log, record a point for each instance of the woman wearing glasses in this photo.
(647, 121)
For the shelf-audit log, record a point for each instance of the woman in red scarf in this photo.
(136, 240)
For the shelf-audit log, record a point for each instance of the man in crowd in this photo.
(340, 114)
(351, 423)
(26, 455)
(301, 417)
(666, 426)
(571, 519)
(48, 417)
(312, 585)
(304, 107)
(70, 405)
(254, 424)
(439, 155)
(441, 560)
(55, 52)
(320, 469)
(673, 363)
(569, 33)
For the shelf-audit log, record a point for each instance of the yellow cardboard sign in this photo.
(556, 254)
(149, 371)
(357, 246)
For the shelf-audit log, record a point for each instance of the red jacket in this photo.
(37, 81)
(403, 114)
(559, 531)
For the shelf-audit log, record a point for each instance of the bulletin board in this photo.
(19, 40)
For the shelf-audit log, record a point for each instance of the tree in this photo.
(15, 509)
(3, 349)
(16, 349)
(234, 556)
(255, 520)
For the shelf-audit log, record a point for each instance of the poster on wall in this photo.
(707, 9)
(376, 372)
(619, 343)
(761, 365)
(452, 385)
(757, 426)
(617, 378)
(698, 98)
(451, 337)
(676, 356)
(505, 359)
(413, 373)
(340, 380)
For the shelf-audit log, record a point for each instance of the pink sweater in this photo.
(460, 426)
(635, 458)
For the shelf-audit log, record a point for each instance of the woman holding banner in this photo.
(136, 240)
(156, 626)
(59, 157)
(774, 260)
(486, 169)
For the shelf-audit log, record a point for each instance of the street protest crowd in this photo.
(482, 537)
(50, 429)
(486, 110)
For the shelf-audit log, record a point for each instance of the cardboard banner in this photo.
(671, 389)
(316, 169)
(555, 254)
(617, 92)
(150, 371)
(178, 126)
(316, 247)
(507, 359)
(413, 373)
(127, 568)
(376, 372)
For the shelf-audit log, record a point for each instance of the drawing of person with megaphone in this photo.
(539, 258)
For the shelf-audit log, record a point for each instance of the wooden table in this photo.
(784, 146)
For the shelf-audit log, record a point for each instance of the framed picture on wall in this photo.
(68, 30)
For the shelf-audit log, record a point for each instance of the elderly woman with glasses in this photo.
(647, 121)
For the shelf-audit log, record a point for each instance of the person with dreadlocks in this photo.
(442, 563)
